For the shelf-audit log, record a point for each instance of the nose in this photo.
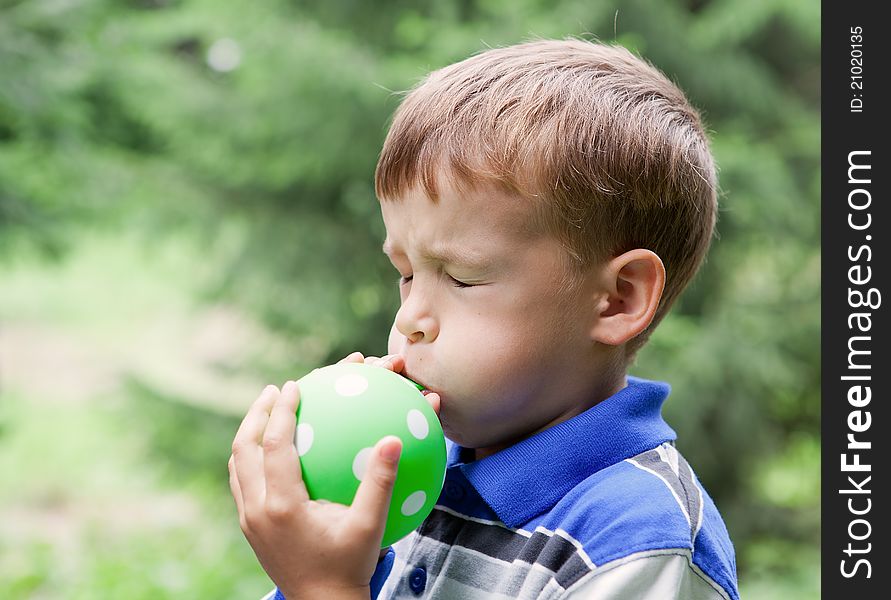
(415, 319)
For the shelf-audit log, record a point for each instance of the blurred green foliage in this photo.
(254, 128)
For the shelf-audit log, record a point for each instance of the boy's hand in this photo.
(396, 363)
(309, 549)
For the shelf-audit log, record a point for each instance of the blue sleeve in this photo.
(384, 566)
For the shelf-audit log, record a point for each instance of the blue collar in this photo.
(528, 478)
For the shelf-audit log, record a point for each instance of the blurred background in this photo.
(187, 213)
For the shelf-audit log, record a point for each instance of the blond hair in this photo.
(605, 148)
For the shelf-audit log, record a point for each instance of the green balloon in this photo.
(344, 410)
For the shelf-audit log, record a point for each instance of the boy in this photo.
(544, 204)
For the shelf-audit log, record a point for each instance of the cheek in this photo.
(494, 358)
(511, 354)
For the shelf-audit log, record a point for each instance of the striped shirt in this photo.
(601, 506)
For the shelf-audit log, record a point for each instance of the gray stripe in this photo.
(682, 483)
(456, 572)
(468, 559)
(694, 494)
(553, 552)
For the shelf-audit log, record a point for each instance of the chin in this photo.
(458, 435)
(450, 432)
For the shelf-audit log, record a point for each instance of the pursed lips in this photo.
(420, 383)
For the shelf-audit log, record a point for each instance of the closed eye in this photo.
(458, 284)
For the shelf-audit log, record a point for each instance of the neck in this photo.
(594, 399)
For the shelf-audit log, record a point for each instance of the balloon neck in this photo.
(417, 385)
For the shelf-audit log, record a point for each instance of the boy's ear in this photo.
(632, 286)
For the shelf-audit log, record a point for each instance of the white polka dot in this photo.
(360, 462)
(352, 384)
(414, 503)
(304, 438)
(417, 424)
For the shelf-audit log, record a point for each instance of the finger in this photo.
(251, 429)
(236, 490)
(368, 512)
(354, 357)
(434, 401)
(246, 451)
(393, 362)
(372, 360)
(284, 485)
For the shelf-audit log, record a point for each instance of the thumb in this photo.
(372, 501)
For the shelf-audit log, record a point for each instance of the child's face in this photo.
(509, 354)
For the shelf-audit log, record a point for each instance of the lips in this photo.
(423, 388)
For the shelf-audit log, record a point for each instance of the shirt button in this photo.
(417, 580)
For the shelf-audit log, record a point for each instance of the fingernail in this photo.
(391, 452)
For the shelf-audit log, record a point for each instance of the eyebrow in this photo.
(443, 254)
